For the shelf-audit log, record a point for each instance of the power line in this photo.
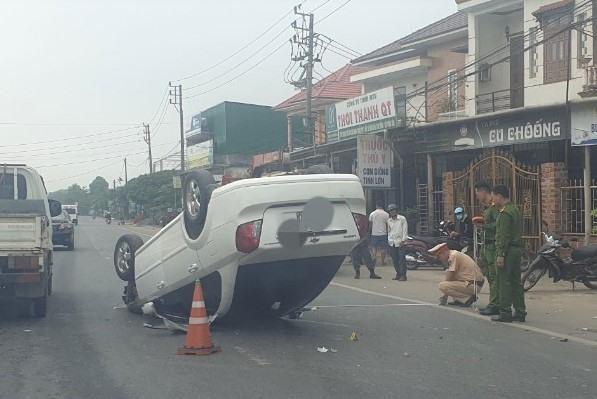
(69, 146)
(333, 11)
(319, 6)
(49, 124)
(76, 150)
(72, 137)
(239, 50)
(240, 74)
(82, 173)
(253, 54)
(119, 156)
(163, 102)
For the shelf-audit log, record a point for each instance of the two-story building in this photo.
(529, 82)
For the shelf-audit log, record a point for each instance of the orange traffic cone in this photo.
(198, 341)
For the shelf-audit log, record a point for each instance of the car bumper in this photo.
(61, 237)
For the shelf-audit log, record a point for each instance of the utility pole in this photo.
(147, 139)
(305, 39)
(176, 100)
(126, 175)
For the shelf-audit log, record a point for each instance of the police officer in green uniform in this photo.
(487, 261)
(508, 234)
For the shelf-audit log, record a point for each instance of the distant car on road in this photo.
(63, 231)
(73, 211)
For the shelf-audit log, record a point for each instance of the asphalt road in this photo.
(87, 349)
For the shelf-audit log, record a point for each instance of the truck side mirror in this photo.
(55, 207)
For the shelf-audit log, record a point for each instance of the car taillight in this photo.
(362, 224)
(247, 236)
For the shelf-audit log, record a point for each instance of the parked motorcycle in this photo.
(417, 247)
(108, 219)
(580, 266)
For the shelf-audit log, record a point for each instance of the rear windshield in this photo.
(71, 211)
(7, 189)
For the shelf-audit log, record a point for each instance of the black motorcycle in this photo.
(417, 247)
(580, 267)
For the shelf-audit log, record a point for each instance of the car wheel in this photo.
(71, 243)
(39, 307)
(124, 256)
(319, 170)
(198, 185)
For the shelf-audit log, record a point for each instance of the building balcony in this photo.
(589, 89)
(498, 101)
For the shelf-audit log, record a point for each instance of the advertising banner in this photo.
(374, 156)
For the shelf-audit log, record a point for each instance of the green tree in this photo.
(154, 192)
(74, 194)
(99, 192)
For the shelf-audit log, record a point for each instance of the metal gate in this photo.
(524, 182)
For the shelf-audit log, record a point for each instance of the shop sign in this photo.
(200, 155)
(374, 161)
(369, 113)
(584, 125)
(503, 130)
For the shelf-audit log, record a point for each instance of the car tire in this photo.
(319, 170)
(71, 243)
(124, 256)
(198, 185)
(39, 306)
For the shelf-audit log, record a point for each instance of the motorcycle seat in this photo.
(584, 252)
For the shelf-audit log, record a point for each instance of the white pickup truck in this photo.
(264, 245)
(26, 251)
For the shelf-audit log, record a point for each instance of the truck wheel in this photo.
(71, 243)
(198, 185)
(124, 256)
(39, 307)
(319, 170)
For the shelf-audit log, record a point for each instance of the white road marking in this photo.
(520, 326)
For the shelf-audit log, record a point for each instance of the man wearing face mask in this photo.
(463, 226)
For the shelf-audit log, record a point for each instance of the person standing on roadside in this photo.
(378, 220)
(487, 259)
(360, 255)
(508, 234)
(397, 235)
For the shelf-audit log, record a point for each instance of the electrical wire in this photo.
(245, 60)
(61, 139)
(333, 11)
(240, 74)
(241, 49)
(69, 146)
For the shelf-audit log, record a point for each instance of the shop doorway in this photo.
(496, 167)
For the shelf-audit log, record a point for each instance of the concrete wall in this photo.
(445, 60)
(490, 36)
(537, 93)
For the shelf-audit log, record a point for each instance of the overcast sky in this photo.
(77, 75)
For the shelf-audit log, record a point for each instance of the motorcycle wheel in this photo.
(412, 264)
(592, 284)
(532, 276)
(525, 260)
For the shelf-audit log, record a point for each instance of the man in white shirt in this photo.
(397, 235)
(378, 219)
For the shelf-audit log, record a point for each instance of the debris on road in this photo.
(563, 339)
(354, 337)
(116, 307)
(27, 331)
(333, 350)
(406, 354)
(322, 349)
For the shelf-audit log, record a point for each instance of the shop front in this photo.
(358, 134)
(526, 150)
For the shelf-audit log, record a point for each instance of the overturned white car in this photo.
(263, 245)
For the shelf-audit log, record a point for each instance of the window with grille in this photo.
(555, 49)
(581, 41)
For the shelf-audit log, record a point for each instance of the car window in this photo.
(7, 189)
